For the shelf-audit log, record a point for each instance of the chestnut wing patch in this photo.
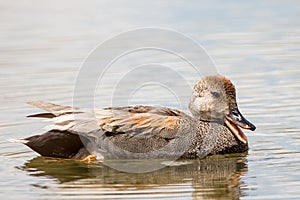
(140, 121)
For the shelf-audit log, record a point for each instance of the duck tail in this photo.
(54, 110)
(23, 141)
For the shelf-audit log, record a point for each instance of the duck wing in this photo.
(135, 121)
(117, 132)
(139, 121)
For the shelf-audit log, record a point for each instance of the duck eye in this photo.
(215, 94)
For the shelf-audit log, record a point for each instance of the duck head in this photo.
(214, 99)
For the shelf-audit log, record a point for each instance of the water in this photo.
(255, 44)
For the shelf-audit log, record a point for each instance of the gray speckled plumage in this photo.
(191, 139)
(146, 131)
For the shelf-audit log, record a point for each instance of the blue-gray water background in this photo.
(255, 43)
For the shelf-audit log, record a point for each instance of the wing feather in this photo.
(135, 121)
(142, 121)
(53, 109)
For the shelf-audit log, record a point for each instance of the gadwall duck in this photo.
(146, 131)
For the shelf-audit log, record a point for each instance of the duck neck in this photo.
(215, 120)
(209, 117)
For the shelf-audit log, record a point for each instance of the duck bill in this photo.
(235, 120)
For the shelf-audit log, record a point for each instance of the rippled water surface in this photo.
(43, 45)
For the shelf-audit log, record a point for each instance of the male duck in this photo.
(146, 131)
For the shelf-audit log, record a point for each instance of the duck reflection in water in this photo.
(215, 177)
